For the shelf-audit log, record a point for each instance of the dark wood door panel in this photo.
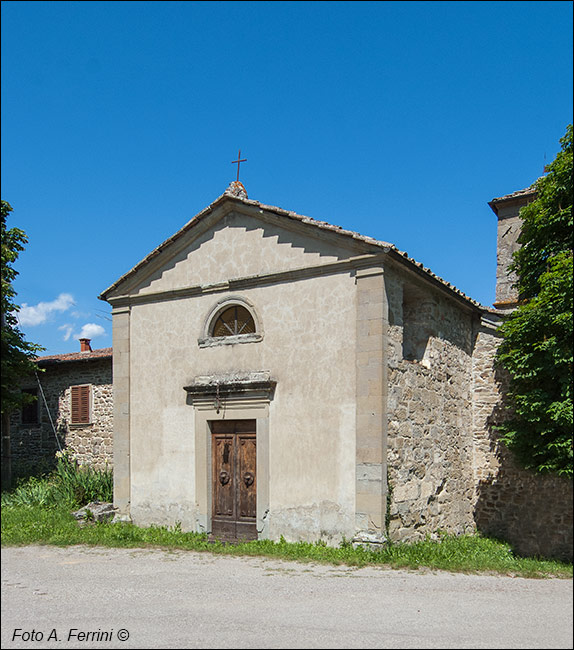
(223, 476)
(233, 426)
(247, 462)
(234, 481)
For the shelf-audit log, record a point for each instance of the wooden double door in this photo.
(234, 479)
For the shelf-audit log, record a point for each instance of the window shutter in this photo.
(80, 404)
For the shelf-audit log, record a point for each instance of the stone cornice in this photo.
(247, 282)
(240, 384)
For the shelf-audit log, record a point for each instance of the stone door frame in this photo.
(226, 400)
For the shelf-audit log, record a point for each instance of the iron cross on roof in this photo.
(238, 161)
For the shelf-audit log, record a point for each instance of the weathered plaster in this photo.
(122, 421)
(308, 348)
(371, 400)
(251, 247)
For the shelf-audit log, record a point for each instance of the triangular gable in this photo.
(234, 239)
(259, 239)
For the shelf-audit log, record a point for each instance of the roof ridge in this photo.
(324, 225)
(525, 192)
(77, 356)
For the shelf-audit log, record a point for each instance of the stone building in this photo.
(275, 376)
(531, 511)
(73, 410)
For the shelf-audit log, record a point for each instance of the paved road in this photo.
(83, 597)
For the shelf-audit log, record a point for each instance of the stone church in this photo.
(275, 376)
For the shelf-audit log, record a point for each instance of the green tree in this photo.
(17, 354)
(537, 337)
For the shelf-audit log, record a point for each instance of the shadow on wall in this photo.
(530, 511)
(424, 316)
(23, 469)
(33, 446)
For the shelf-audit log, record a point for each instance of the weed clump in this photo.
(69, 485)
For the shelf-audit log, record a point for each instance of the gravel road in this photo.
(80, 597)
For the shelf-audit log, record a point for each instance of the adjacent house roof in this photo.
(53, 359)
(240, 197)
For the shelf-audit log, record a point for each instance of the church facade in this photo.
(279, 376)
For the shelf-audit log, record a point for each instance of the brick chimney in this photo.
(85, 345)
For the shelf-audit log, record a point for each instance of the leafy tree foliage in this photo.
(537, 344)
(17, 353)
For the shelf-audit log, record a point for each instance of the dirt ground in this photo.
(80, 597)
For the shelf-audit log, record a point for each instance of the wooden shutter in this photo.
(81, 404)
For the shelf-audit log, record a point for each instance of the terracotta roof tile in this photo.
(102, 353)
(515, 195)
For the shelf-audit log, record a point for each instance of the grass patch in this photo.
(38, 510)
(471, 554)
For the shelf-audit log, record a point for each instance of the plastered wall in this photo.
(307, 347)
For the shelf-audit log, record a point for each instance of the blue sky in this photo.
(399, 120)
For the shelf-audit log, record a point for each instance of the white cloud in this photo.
(67, 331)
(91, 331)
(39, 314)
(88, 331)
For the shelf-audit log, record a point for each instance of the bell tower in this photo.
(507, 209)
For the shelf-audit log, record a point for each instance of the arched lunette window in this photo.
(231, 321)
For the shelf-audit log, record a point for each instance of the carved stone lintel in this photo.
(225, 385)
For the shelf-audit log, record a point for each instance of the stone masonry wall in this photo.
(533, 512)
(429, 409)
(92, 444)
(32, 446)
(509, 226)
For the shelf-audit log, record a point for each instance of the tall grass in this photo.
(69, 485)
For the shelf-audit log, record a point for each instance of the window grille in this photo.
(233, 321)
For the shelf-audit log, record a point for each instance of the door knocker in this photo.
(248, 479)
(224, 477)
